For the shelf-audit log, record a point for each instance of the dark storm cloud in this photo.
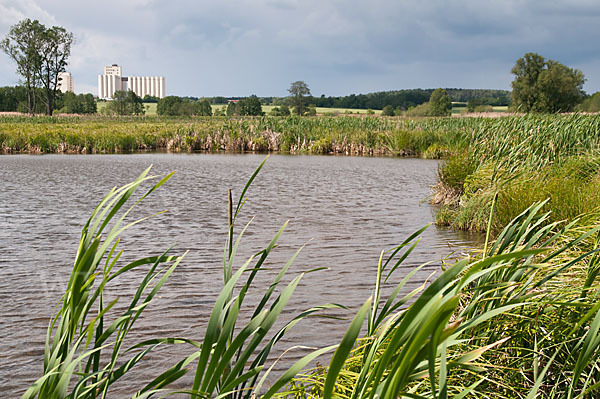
(338, 47)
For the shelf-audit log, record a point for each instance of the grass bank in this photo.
(320, 135)
(524, 159)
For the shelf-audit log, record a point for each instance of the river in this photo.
(345, 209)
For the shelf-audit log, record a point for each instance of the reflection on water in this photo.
(345, 209)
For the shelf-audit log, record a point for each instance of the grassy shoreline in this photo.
(524, 158)
(344, 135)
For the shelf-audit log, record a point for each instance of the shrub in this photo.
(388, 110)
(322, 146)
(454, 172)
(419, 110)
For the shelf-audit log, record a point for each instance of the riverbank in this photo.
(523, 160)
(295, 135)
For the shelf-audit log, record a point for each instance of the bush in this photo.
(419, 110)
(284, 110)
(484, 108)
(454, 172)
(388, 110)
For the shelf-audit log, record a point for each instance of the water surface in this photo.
(345, 209)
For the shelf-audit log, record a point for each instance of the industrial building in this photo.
(113, 80)
(65, 82)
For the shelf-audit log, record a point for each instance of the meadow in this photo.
(151, 109)
(457, 109)
(520, 318)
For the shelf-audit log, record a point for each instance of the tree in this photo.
(70, 103)
(440, 103)
(542, 85)
(167, 106)
(299, 96)
(150, 99)
(591, 104)
(89, 104)
(21, 44)
(180, 106)
(41, 55)
(54, 51)
(250, 106)
(232, 108)
(125, 103)
(203, 108)
(388, 110)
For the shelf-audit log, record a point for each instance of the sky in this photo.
(338, 47)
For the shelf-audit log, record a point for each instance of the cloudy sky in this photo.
(338, 47)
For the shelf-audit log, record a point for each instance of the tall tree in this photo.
(125, 103)
(41, 55)
(542, 85)
(440, 103)
(300, 93)
(54, 52)
(22, 45)
(250, 106)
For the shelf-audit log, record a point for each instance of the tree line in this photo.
(403, 99)
(15, 99)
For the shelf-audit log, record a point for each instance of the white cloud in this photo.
(343, 46)
(12, 12)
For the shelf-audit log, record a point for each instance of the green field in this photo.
(321, 111)
(150, 108)
(459, 108)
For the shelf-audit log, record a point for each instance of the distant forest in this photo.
(403, 99)
(15, 99)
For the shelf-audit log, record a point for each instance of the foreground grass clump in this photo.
(501, 324)
(531, 307)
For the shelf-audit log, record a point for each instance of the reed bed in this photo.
(523, 159)
(322, 135)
